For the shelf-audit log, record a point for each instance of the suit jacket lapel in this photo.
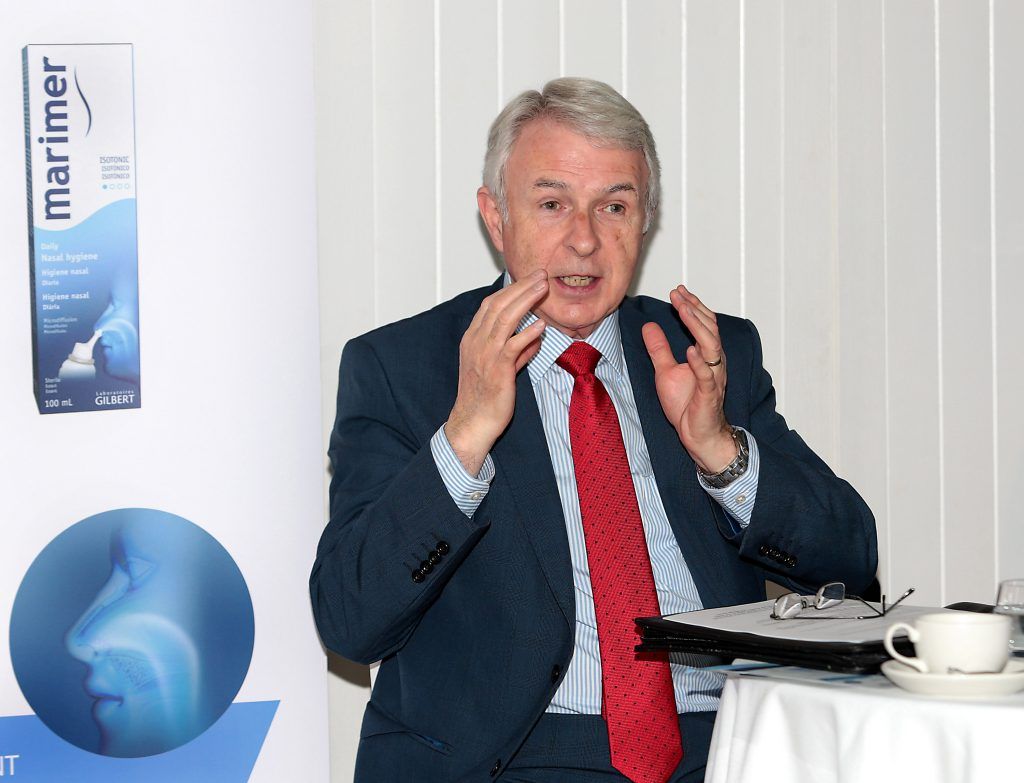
(523, 462)
(521, 456)
(685, 501)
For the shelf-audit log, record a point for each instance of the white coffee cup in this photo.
(968, 642)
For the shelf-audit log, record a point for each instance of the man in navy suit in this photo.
(455, 553)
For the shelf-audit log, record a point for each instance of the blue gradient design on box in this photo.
(131, 633)
(79, 142)
(226, 753)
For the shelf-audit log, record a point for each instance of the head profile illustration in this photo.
(153, 636)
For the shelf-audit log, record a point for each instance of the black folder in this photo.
(864, 657)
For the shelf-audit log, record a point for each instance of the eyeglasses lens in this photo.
(831, 594)
(788, 605)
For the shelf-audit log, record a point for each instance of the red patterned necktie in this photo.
(639, 702)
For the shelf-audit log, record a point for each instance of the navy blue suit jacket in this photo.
(473, 651)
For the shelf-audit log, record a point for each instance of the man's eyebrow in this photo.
(546, 184)
(621, 186)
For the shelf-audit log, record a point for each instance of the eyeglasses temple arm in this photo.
(910, 590)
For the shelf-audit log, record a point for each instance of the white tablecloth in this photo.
(776, 731)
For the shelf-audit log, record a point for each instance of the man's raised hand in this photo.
(490, 355)
(693, 394)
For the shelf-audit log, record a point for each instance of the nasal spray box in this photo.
(80, 157)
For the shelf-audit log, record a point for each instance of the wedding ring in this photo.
(715, 363)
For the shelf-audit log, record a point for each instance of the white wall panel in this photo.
(344, 180)
(654, 72)
(966, 304)
(861, 368)
(915, 537)
(713, 152)
(1008, 190)
(807, 223)
(467, 82)
(405, 254)
(592, 40)
(530, 46)
(763, 292)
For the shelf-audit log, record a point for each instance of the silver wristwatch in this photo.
(734, 469)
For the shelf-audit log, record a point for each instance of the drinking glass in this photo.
(1010, 601)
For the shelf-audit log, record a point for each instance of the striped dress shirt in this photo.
(696, 689)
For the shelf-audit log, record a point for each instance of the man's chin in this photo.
(579, 327)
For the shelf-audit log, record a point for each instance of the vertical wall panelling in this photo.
(529, 45)
(860, 263)
(763, 177)
(655, 87)
(810, 273)
(404, 156)
(344, 142)
(468, 80)
(712, 155)
(1008, 195)
(912, 318)
(592, 38)
(966, 304)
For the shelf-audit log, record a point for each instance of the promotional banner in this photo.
(154, 592)
(80, 157)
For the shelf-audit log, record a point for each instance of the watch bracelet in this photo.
(734, 469)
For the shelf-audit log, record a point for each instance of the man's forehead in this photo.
(550, 153)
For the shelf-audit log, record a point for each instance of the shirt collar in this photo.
(606, 338)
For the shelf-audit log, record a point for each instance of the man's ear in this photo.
(491, 215)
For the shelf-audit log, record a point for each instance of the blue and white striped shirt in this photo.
(696, 689)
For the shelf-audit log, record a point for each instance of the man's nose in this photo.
(583, 238)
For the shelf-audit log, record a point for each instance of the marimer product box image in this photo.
(83, 251)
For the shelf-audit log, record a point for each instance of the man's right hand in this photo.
(490, 355)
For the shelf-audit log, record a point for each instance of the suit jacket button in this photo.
(763, 550)
(442, 548)
(417, 575)
(556, 672)
(434, 558)
(495, 768)
(791, 560)
(425, 567)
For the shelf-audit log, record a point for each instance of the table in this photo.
(862, 730)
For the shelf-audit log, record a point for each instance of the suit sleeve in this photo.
(395, 535)
(808, 526)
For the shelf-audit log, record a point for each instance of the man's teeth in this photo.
(577, 280)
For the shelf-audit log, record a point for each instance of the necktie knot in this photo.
(578, 359)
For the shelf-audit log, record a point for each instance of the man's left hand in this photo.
(693, 394)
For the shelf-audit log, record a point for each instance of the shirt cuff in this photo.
(467, 491)
(738, 498)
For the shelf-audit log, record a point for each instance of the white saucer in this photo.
(1010, 680)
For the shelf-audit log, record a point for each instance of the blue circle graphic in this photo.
(131, 633)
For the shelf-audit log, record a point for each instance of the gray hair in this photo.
(589, 107)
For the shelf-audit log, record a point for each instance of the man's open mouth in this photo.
(577, 281)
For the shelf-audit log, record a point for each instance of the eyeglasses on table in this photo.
(792, 605)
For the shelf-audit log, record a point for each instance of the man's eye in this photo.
(549, 205)
(615, 209)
